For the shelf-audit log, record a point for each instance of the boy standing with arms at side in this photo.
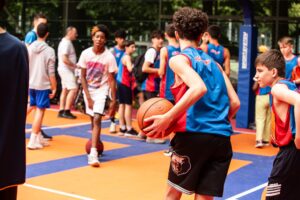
(205, 104)
(285, 103)
(164, 71)
(125, 94)
(42, 83)
(98, 68)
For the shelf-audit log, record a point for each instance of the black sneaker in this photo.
(131, 133)
(45, 136)
(122, 132)
(61, 113)
(67, 114)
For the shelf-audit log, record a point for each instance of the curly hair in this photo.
(102, 28)
(190, 23)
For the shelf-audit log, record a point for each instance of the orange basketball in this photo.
(153, 106)
(88, 145)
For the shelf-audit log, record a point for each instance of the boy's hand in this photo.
(297, 142)
(158, 127)
(90, 103)
(52, 94)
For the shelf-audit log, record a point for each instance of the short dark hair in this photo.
(214, 31)
(68, 29)
(272, 59)
(121, 33)
(42, 30)
(39, 15)
(190, 23)
(170, 30)
(157, 34)
(102, 28)
(127, 43)
(286, 40)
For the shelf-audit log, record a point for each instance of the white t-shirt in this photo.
(150, 55)
(97, 67)
(66, 47)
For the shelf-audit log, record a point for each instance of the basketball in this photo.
(153, 106)
(88, 145)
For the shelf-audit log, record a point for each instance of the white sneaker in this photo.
(112, 128)
(93, 160)
(259, 144)
(33, 143)
(41, 140)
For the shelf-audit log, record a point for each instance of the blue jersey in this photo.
(289, 66)
(210, 113)
(124, 76)
(168, 78)
(118, 53)
(216, 52)
(30, 37)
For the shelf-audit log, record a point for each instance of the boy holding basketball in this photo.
(205, 103)
(285, 123)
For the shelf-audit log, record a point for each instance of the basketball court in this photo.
(131, 169)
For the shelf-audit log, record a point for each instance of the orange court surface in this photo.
(131, 169)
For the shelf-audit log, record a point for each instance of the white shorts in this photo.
(68, 79)
(99, 96)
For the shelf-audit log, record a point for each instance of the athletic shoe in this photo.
(168, 152)
(60, 113)
(67, 114)
(33, 144)
(45, 136)
(131, 133)
(142, 136)
(41, 140)
(155, 141)
(112, 128)
(93, 160)
(266, 144)
(259, 144)
(122, 132)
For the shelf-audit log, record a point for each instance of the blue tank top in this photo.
(289, 66)
(168, 79)
(210, 113)
(118, 53)
(293, 87)
(217, 53)
(124, 76)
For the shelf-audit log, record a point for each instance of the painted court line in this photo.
(247, 192)
(67, 125)
(57, 192)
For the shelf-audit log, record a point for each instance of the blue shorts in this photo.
(39, 98)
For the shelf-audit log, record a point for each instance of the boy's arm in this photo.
(162, 61)
(283, 94)
(127, 61)
(113, 86)
(51, 72)
(85, 88)
(227, 61)
(53, 86)
(196, 89)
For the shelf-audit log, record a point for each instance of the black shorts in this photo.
(199, 163)
(124, 94)
(285, 176)
(149, 95)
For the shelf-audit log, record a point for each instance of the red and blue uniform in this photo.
(263, 91)
(216, 52)
(210, 113)
(124, 76)
(289, 66)
(288, 126)
(151, 84)
(168, 78)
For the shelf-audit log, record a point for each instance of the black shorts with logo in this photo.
(284, 181)
(199, 163)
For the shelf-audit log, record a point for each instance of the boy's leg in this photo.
(69, 102)
(35, 142)
(131, 132)
(62, 101)
(93, 156)
(203, 197)
(9, 193)
(267, 130)
(259, 120)
(172, 193)
(122, 124)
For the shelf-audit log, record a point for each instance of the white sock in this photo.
(129, 128)
(94, 151)
(33, 137)
(123, 127)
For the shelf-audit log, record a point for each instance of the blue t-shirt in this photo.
(30, 37)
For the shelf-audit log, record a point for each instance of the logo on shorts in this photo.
(180, 164)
